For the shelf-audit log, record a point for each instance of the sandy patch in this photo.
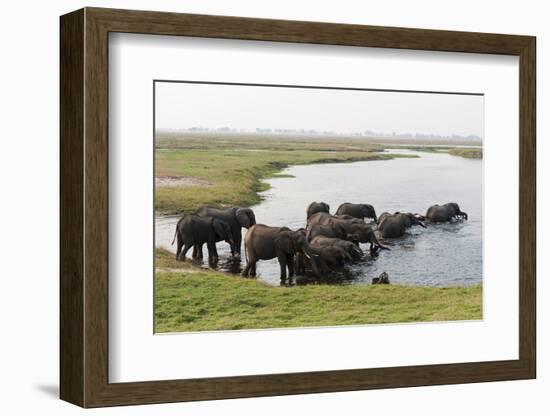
(176, 182)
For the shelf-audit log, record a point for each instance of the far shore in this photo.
(193, 171)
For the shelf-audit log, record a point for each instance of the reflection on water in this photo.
(439, 255)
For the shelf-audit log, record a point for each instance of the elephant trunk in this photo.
(313, 257)
(380, 246)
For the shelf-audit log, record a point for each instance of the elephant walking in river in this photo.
(395, 225)
(360, 211)
(445, 213)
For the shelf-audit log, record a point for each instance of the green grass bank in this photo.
(189, 298)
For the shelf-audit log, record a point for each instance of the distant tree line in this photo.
(313, 132)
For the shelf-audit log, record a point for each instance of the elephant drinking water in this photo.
(351, 226)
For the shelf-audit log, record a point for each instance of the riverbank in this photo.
(469, 153)
(466, 152)
(188, 298)
(195, 172)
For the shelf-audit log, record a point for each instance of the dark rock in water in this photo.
(383, 279)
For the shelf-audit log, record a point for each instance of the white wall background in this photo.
(29, 183)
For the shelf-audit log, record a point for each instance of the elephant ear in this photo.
(245, 217)
(284, 242)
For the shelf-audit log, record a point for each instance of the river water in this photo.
(439, 255)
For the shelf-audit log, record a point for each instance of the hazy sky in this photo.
(181, 106)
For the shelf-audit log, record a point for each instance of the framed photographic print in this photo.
(255, 207)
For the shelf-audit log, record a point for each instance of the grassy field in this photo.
(230, 171)
(192, 299)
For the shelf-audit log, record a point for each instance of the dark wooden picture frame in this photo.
(84, 207)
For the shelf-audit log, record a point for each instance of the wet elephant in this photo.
(445, 213)
(395, 225)
(263, 242)
(329, 230)
(353, 250)
(192, 230)
(237, 218)
(316, 207)
(360, 211)
(363, 231)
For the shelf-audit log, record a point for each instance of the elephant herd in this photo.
(326, 243)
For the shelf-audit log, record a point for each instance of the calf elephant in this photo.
(315, 207)
(353, 226)
(394, 225)
(262, 242)
(360, 211)
(236, 218)
(192, 230)
(444, 213)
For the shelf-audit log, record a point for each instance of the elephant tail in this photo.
(245, 251)
(177, 228)
(175, 234)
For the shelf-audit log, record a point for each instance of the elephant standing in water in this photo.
(262, 242)
(192, 230)
(329, 256)
(445, 213)
(394, 225)
(330, 230)
(352, 226)
(236, 218)
(316, 207)
(352, 249)
(360, 211)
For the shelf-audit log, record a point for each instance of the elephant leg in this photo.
(212, 253)
(195, 251)
(178, 250)
(282, 263)
(299, 260)
(199, 252)
(250, 268)
(373, 249)
(237, 239)
(186, 248)
(290, 265)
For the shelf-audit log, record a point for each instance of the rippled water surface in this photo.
(439, 255)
